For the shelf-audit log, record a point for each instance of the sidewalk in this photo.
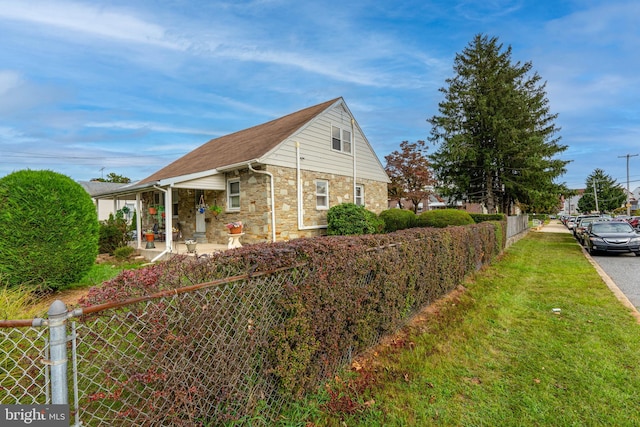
(554, 226)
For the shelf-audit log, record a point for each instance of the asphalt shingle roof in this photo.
(241, 146)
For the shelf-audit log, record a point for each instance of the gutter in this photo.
(273, 200)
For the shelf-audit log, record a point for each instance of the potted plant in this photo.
(149, 235)
(235, 227)
(191, 245)
(215, 210)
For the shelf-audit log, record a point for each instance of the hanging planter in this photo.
(201, 207)
(215, 210)
(152, 210)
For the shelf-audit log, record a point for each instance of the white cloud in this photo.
(148, 126)
(90, 20)
(9, 80)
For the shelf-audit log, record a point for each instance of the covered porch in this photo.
(175, 211)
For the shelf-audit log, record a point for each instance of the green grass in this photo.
(24, 302)
(499, 355)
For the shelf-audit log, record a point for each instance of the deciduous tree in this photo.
(409, 172)
(113, 177)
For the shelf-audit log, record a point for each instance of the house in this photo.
(279, 178)
(105, 207)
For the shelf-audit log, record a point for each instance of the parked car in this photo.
(634, 221)
(581, 225)
(612, 237)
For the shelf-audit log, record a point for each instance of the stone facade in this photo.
(255, 205)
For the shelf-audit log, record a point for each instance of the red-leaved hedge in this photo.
(351, 290)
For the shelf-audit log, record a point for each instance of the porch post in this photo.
(139, 220)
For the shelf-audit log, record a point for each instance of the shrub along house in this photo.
(279, 178)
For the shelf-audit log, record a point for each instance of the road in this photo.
(623, 270)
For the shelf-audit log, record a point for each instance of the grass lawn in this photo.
(21, 303)
(497, 354)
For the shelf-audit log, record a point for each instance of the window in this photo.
(233, 194)
(359, 197)
(322, 194)
(340, 139)
(174, 202)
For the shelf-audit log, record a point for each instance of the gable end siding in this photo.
(316, 152)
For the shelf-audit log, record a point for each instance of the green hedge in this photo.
(444, 217)
(398, 219)
(478, 218)
(49, 232)
(350, 219)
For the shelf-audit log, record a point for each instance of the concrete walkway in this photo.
(554, 226)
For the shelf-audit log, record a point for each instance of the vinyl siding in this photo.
(317, 154)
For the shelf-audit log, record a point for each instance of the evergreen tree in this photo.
(601, 194)
(495, 132)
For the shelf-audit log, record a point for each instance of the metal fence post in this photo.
(58, 352)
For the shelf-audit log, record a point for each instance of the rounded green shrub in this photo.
(49, 232)
(123, 253)
(441, 218)
(114, 233)
(349, 219)
(397, 219)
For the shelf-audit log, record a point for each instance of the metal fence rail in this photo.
(183, 358)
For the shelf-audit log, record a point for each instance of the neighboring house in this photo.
(279, 178)
(106, 207)
(436, 202)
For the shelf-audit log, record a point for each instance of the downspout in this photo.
(353, 150)
(301, 225)
(139, 220)
(167, 226)
(273, 200)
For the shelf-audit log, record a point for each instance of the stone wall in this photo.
(255, 205)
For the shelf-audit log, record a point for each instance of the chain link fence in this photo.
(188, 357)
(23, 365)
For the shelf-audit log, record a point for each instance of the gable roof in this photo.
(99, 187)
(242, 146)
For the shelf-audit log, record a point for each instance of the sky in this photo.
(126, 87)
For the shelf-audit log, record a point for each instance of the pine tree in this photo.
(601, 194)
(497, 138)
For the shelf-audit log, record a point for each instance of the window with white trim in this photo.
(233, 195)
(359, 196)
(340, 139)
(322, 194)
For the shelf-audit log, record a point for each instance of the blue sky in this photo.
(89, 88)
